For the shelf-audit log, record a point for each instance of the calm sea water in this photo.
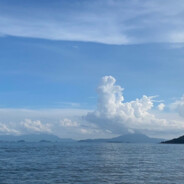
(83, 163)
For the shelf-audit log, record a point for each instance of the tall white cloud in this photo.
(119, 116)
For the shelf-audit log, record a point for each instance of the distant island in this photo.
(179, 140)
(128, 138)
(33, 138)
(45, 138)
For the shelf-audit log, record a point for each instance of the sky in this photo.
(89, 69)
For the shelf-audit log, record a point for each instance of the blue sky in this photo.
(37, 73)
(53, 55)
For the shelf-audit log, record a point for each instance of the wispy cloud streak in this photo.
(102, 21)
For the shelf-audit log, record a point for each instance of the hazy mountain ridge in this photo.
(33, 138)
(128, 138)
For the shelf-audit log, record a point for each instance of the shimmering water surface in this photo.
(111, 163)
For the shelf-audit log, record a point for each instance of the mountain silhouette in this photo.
(128, 138)
(33, 138)
(179, 140)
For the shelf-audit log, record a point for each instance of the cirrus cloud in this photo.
(101, 21)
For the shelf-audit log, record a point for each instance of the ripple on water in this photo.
(48, 163)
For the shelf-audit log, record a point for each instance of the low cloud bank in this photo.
(178, 106)
(113, 116)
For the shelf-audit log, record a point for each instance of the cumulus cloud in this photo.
(4, 129)
(178, 106)
(70, 126)
(110, 102)
(161, 106)
(69, 123)
(119, 116)
(84, 131)
(36, 126)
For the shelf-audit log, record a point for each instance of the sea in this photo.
(91, 163)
